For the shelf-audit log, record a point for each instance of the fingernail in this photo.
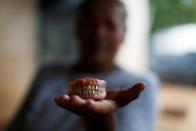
(142, 85)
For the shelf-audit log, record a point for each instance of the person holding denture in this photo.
(95, 94)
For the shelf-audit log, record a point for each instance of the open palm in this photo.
(115, 99)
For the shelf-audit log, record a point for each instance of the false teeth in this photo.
(88, 88)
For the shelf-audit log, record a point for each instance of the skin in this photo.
(101, 32)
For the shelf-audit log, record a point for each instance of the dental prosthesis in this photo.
(88, 88)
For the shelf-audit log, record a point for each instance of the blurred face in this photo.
(101, 31)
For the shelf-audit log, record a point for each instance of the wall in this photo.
(17, 53)
(135, 50)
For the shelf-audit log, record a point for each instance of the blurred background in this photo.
(160, 37)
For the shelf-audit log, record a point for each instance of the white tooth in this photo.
(96, 87)
(93, 92)
(80, 92)
(93, 87)
(89, 87)
(84, 92)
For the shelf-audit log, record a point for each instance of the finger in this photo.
(126, 96)
(77, 105)
(111, 94)
(101, 107)
(69, 102)
(77, 102)
(62, 100)
(74, 103)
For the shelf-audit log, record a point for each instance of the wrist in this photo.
(103, 123)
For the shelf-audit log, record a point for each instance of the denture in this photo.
(88, 88)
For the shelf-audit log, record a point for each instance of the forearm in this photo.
(106, 123)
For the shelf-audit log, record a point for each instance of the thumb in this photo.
(130, 94)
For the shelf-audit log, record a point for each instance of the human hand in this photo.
(115, 99)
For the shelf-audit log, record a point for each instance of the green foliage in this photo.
(167, 13)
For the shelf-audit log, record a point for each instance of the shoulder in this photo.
(151, 81)
(49, 73)
(149, 78)
(52, 70)
(152, 85)
(145, 108)
(130, 78)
